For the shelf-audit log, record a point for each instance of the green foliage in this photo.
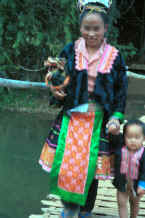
(127, 50)
(30, 30)
(24, 100)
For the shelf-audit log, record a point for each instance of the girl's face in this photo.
(134, 137)
(93, 30)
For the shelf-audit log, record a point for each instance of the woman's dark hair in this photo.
(134, 122)
(87, 11)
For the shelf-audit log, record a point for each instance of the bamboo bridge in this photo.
(105, 205)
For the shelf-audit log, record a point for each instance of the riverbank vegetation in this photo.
(24, 100)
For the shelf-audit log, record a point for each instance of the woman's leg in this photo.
(90, 202)
(134, 206)
(70, 210)
(122, 198)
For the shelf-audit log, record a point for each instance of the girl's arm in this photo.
(141, 183)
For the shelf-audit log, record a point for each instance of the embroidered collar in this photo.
(105, 56)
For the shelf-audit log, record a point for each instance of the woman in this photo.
(93, 108)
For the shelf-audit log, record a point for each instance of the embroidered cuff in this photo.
(113, 117)
(118, 115)
(141, 184)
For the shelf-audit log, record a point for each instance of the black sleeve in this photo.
(116, 141)
(66, 52)
(142, 168)
(58, 77)
(120, 87)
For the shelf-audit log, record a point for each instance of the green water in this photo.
(22, 182)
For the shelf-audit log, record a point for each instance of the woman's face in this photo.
(134, 137)
(93, 29)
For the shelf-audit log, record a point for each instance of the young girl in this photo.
(130, 169)
(77, 151)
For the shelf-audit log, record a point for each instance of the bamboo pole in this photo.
(135, 75)
(9, 83)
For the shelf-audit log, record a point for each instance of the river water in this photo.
(22, 182)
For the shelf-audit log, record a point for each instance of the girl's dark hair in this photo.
(134, 122)
(87, 11)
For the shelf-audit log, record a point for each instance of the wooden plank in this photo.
(52, 203)
(105, 205)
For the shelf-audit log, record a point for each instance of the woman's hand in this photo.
(113, 126)
(59, 94)
(48, 78)
(140, 191)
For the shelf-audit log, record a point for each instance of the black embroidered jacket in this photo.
(110, 88)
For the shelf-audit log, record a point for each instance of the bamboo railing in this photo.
(41, 85)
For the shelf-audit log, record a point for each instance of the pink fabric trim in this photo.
(104, 57)
(83, 62)
(44, 167)
(130, 162)
(107, 60)
(81, 56)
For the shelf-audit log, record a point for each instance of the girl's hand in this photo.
(140, 191)
(59, 94)
(48, 78)
(113, 126)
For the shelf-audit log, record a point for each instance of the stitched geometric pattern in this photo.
(104, 167)
(74, 168)
(47, 157)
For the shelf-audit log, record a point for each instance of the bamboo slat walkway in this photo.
(105, 206)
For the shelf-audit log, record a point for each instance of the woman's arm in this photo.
(58, 77)
(120, 89)
(120, 92)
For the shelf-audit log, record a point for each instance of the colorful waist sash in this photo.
(76, 155)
